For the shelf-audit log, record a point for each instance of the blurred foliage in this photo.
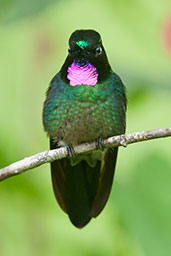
(12, 10)
(34, 35)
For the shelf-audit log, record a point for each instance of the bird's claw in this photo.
(100, 143)
(70, 151)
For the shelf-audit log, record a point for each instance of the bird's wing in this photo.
(105, 181)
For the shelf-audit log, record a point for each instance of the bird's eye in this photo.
(98, 50)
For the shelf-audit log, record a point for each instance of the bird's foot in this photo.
(100, 143)
(70, 151)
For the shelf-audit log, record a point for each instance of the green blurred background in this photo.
(33, 45)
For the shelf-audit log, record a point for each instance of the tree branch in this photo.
(55, 154)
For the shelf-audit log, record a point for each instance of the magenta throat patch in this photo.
(86, 74)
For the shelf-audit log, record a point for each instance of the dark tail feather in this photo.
(82, 191)
(105, 182)
(75, 188)
(82, 183)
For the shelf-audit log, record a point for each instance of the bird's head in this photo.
(85, 48)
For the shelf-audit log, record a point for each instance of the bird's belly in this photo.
(80, 130)
(86, 123)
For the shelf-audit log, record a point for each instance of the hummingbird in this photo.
(85, 102)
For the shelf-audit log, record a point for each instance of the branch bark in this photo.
(56, 154)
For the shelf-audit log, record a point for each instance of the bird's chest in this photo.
(83, 114)
(84, 122)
